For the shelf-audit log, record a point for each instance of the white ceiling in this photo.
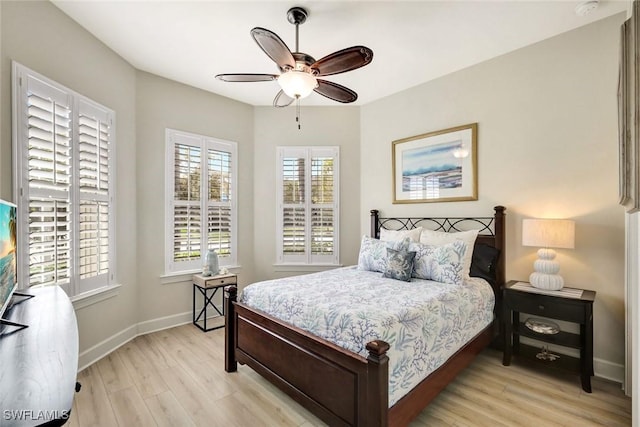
(413, 41)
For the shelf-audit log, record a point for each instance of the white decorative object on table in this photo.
(210, 264)
(547, 234)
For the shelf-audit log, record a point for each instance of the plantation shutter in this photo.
(187, 222)
(293, 209)
(201, 200)
(63, 144)
(308, 205)
(322, 229)
(48, 177)
(219, 212)
(93, 154)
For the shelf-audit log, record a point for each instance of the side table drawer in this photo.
(214, 281)
(545, 306)
(219, 281)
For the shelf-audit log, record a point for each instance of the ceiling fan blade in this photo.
(335, 91)
(246, 77)
(274, 47)
(282, 99)
(343, 60)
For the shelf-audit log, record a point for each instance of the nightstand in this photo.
(208, 286)
(570, 305)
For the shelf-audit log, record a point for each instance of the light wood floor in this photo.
(176, 378)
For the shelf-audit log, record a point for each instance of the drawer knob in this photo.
(222, 281)
(541, 307)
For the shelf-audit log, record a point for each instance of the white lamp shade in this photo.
(548, 233)
(297, 84)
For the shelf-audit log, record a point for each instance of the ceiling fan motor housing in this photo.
(297, 15)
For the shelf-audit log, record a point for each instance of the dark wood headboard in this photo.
(491, 232)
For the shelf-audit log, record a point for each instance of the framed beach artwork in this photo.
(437, 166)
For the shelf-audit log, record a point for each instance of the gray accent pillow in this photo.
(399, 264)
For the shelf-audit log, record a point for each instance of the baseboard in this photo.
(166, 322)
(608, 370)
(100, 350)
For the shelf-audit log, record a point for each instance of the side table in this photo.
(570, 305)
(208, 286)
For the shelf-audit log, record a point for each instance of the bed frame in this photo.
(340, 387)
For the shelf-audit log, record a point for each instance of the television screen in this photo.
(8, 237)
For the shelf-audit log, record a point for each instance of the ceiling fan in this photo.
(299, 71)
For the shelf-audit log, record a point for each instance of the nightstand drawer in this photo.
(214, 281)
(541, 305)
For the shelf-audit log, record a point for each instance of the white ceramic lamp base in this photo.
(545, 275)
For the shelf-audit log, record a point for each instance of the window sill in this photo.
(93, 297)
(304, 268)
(185, 276)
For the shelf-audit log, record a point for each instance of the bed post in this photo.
(230, 297)
(500, 242)
(499, 231)
(374, 223)
(378, 379)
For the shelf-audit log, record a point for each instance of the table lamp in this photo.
(547, 234)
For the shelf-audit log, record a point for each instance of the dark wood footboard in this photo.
(340, 387)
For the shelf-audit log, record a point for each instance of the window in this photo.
(201, 200)
(64, 168)
(308, 205)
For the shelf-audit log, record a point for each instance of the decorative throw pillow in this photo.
(440, 263)
(399, 264)
(439, 238)
(483, 263)
(390, 235)
(373, 253)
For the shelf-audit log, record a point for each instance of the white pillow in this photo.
(442, 263)
(373, 253)
(439, 238)
(394, 235)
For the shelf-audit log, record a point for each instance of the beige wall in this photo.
(320, 126)
(61, 50)
(162, 104)
(547, 146)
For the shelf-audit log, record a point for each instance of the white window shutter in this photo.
(308, 209)
(220, 182)
(294, 213)
(46, 184)
(186, 188)
(201, 192)
(62, 161)
(93, 156)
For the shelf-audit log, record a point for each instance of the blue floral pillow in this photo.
(440, 263)
(399, 264)
(373, 253)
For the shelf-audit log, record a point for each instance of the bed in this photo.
(341, 387)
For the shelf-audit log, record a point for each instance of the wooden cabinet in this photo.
(550, 305)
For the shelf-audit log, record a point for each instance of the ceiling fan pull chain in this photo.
(298, 111)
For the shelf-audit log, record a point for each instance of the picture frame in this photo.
(440, 166)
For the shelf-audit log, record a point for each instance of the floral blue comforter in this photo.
(424, 322)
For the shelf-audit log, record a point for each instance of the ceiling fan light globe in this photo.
(297, 84)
